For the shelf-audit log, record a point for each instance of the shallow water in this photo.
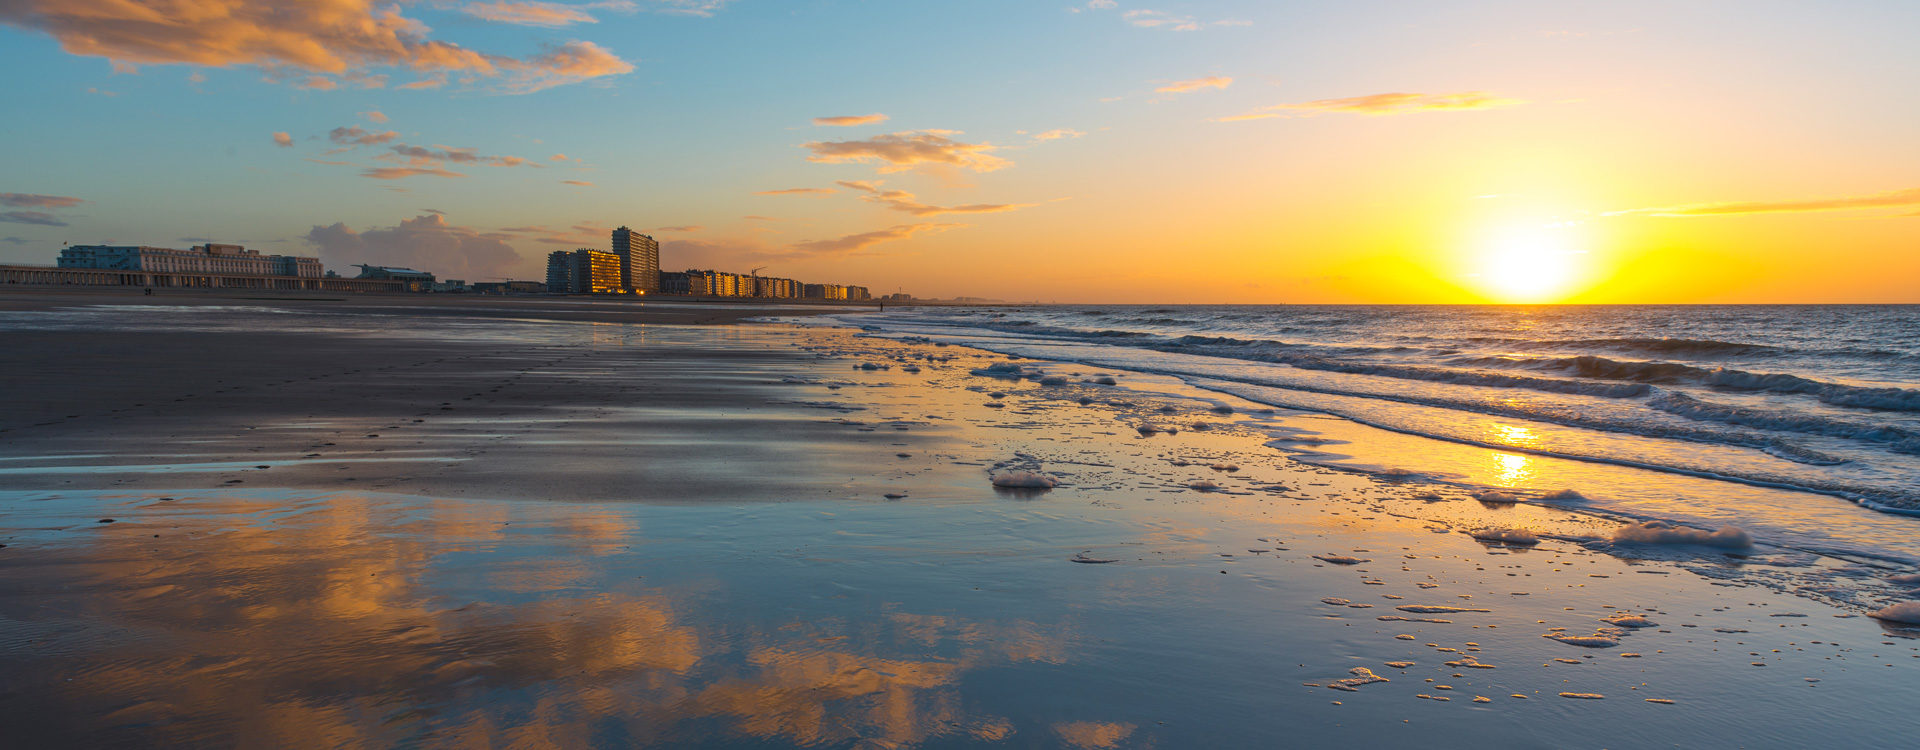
(1825, 398)
(884, 593)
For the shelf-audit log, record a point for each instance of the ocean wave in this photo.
(1782, 421)
(1664, 346)
(1602, 368)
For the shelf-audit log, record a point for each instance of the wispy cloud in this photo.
(797, 191)
(853, 243)
(40, 218)
(1382, 104)
(681, 229)
(348, 39)
(844, 121)
(902, 151)
(550, 15)
(1196, 84)
(36, 200)
(397, 173)
(283, 139)
(1058, 134)
(580, 183)
(1893, 199)
(357, 136)
(421, 156)
(583, 234)
(374, 116)
(905, 202)
(1155, 19)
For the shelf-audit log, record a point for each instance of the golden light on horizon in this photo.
(1537, 263)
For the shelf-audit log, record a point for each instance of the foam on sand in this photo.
(1436, 609)
(1361, 676)
(1597, 640)
(1661, 532)
(1625, 620)
(1520, 537)
(1496, 496)
(1025, 480)
(1341, 559)
(1907, 612)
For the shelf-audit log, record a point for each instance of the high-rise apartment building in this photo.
(639, 260)
(583, 271)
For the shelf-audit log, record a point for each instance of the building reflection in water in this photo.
(353, 620)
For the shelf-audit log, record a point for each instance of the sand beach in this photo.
(305, 523)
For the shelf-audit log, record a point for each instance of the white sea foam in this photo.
(1025, 480)
(1661, 532)
(1521, 537)
(1907, 612)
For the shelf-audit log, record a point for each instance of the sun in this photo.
(1534, 263)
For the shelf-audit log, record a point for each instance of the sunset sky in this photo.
(1105, 151)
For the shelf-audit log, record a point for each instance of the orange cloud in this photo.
(903, 201)
(853, 243)
(797, 191)
(358, 136)
(283, 140)
(687, 228)
(36, 200)
(581, 183)
(420, 156)
(395, 173)
(337, 37)
(572, 62)
(1910, 197)
(1059, 133)
(375, 116)
(1382, 104)
(551, 15)
(903, 151)
(845, 121)
(1196, 84)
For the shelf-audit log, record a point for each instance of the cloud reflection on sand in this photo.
(346, 620)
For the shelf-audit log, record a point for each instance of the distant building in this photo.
(415, 281)
(583, 271)
(210, 258)
(675, 282)
(858, 294)
(639, 260)
(508, 287)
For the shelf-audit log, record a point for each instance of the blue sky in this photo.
(679, 113)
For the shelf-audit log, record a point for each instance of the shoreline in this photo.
(768, 534)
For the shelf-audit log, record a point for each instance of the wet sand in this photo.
(343, 529)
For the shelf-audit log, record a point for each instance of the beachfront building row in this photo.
(587, 271)
(209, 266)
(210, 258)
(706, 283)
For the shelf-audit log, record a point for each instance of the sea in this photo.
(1814, 400)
